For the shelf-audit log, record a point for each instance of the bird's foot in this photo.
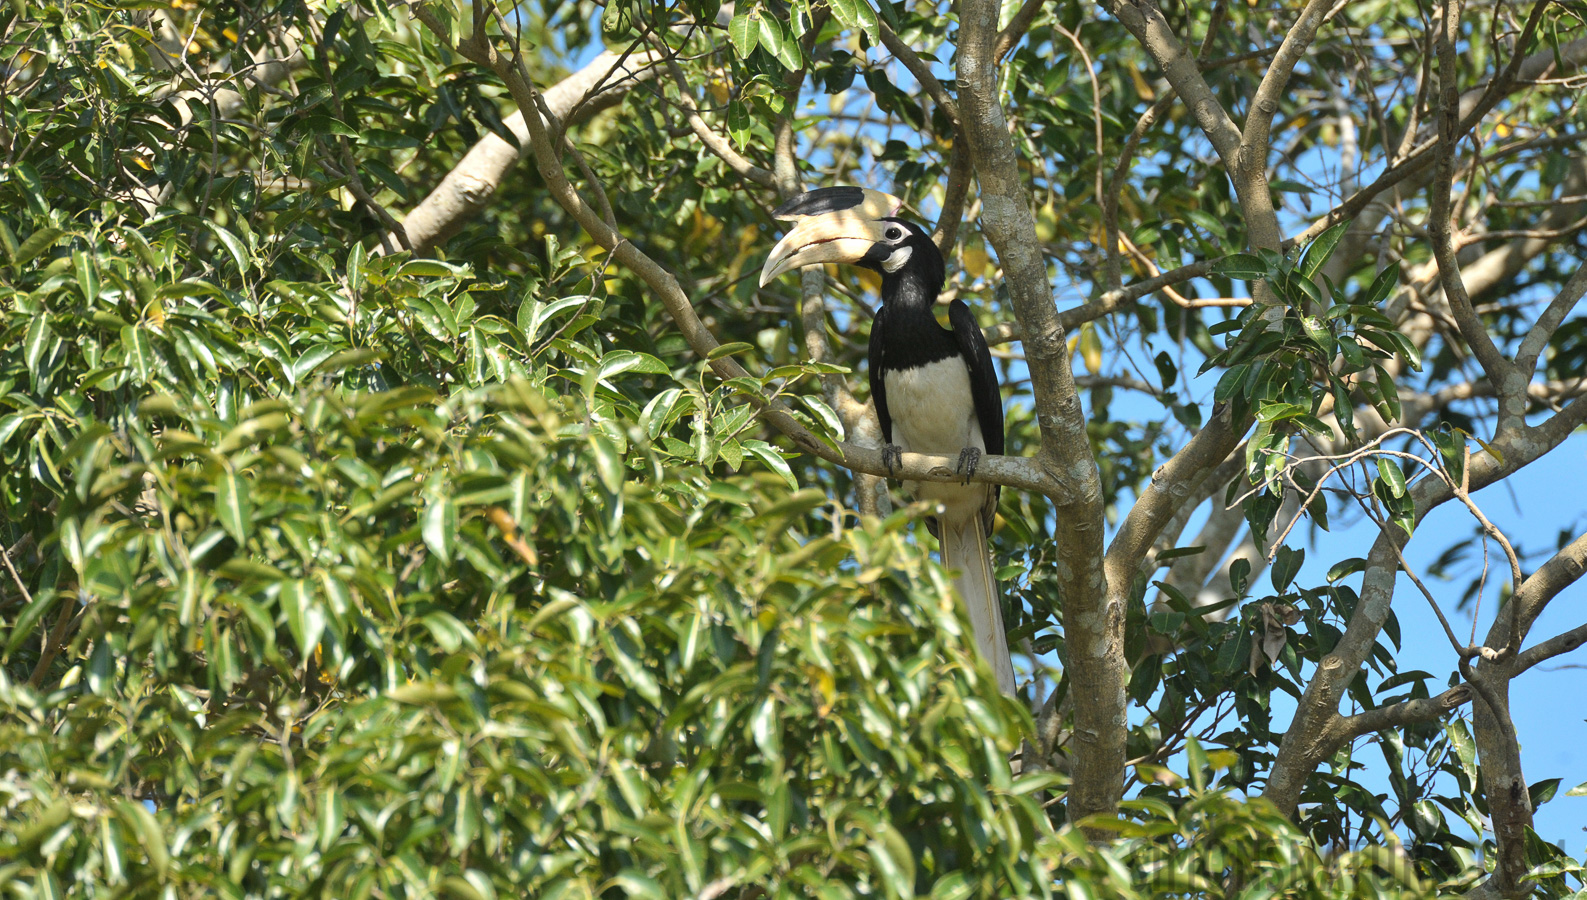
(892, 458)
(969, 458)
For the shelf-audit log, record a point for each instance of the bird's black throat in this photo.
(910, 332)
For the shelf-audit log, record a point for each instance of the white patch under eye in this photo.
(897, 258)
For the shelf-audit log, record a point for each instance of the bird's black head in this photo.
(905, 252)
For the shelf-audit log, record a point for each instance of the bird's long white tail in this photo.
(964, 548)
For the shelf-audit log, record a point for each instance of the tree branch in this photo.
(1093, 615)
(1398, 715)
(1109, 302)
(1264, 103)
(713, 141)
(1440, 221)
(1547, 650)
(1023, 18)
(946, 234)
(1146, 22)
(1537, 337)
(918, 68)
(467, 189)
(1303, 745)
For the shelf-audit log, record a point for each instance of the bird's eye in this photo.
(894, 234)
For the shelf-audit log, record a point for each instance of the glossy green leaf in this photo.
(440, 527)
(233, 507)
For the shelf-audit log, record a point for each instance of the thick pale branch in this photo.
(1093, 616)
(1440, 221)
(1499, 760)
(1146, 22)
(1172, 485)
(1554, 646)
(467, 189)
(1562, 570)
(920, 69)
(1264, 104)
(1398, 715)
(1547, 323)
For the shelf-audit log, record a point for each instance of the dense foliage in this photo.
(339, 569)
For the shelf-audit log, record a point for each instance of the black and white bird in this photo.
(934, 388)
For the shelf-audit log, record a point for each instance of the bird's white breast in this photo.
(933, 411)
(932, 408)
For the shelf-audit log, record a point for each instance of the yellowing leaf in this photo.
(1091, 348)
(976, 260)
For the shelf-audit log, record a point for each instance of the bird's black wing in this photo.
(983, 378)
(878, 372)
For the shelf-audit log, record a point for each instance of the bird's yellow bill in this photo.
(831, 235)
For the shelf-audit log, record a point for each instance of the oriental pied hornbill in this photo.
(935, 389)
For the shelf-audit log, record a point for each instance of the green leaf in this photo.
(24, 625)
(1351, 351)
(1391, 409)
(728, 349)
(1209, 222)
(331, 818)
(608, 462)
(1393, 477)
(1465, 747)
(1345, 568)
(1319, 334)
(1380, 288)
(744, 33)
(439, 527)
(1244, 266)
(779, 43)
(233, 245)
(305, 617)
(1344, 408)
(774, 460)
(1451, 444)
(429, 268)
(36, 243)
(35, 342)
(1276, 412)
(1286, 564)
(894, 861)
(1196, 763)
(824, 414)
(1239, 574)
(148, 832)
(1319, 250)
(619, 361)
(232, 507)
(856, 14)
(1543, 791)
(139, 351)
(87, 276)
